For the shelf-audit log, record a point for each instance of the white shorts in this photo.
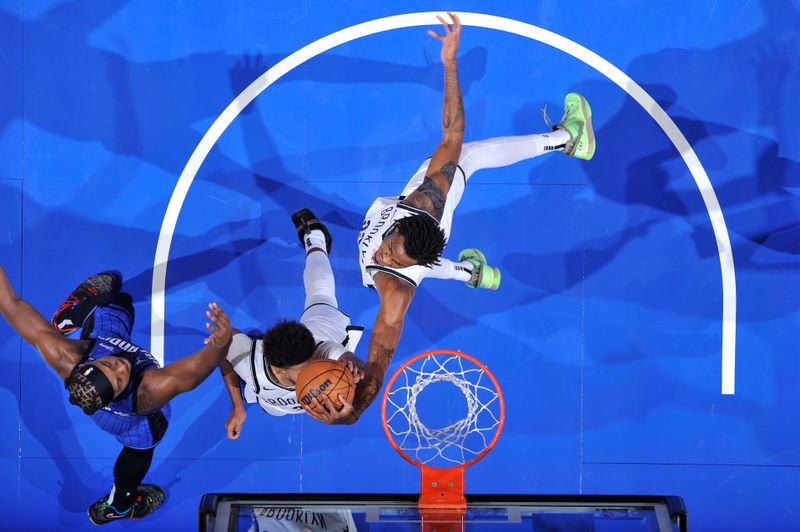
(326, 322)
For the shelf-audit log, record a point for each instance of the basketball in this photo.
(330, 377)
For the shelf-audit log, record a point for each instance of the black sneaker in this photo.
(101, 513)
(90, 294)
(305, 221)
(147, 499)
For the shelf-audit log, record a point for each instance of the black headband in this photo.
(89, 388)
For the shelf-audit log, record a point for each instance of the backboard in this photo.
(376, 513)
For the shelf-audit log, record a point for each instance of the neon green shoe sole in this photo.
(484, 276)
(577, 121)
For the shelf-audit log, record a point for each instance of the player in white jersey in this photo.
(403, 237)
(264, 370)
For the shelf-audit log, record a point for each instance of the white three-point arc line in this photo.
(468, 19)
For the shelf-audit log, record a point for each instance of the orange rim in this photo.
(458, 354)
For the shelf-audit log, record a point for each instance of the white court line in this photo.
(468, 19)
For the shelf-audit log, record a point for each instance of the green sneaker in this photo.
(577, 121)
(483, 275)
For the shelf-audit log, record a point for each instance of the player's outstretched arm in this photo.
(430, 195)
(60, 353)
(158, 387)
(395, 298)
(233, 426)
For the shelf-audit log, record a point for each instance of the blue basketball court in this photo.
(645, 331)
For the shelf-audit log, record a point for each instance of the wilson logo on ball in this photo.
(324, 377)
(307, 398)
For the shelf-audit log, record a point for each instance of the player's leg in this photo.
(129, 471)
(318, 278)
(505, 151)
(129, 498)
(472, 269)
(321, 314)
(573, 135)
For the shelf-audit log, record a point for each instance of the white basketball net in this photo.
(459, 442)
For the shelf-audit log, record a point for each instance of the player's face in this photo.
(117, 370)
(392, 252)
(288, 376)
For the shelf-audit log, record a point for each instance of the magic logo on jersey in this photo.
(141, 357)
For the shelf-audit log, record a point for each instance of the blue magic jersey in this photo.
(120, 417)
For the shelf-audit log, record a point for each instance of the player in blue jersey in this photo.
(118, 383)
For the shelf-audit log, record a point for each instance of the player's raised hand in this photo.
(450, 39)
(220, 326)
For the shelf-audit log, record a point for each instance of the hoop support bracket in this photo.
(442, 488)
(442, 504)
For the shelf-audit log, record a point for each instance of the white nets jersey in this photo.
(382, 215)
(379, 221)
(258, 384)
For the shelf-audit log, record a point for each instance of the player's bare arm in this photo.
(233, 426)
(395, 297)
(235, 421)
(60, 353)
(430, 195)
(158, 387)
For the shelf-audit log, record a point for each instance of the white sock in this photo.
(315, 239)
(505, 151)
(318, 277)
(447, 269)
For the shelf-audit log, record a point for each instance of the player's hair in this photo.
(89, 388)
(425, 240)
(287, 344)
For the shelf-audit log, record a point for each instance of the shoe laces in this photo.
(553, 125)
(475, 276)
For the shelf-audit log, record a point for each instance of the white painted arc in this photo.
(468, 19)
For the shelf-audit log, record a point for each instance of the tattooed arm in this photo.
(431, 194)
(395, 297)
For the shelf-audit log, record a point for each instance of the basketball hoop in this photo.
(443, 453)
